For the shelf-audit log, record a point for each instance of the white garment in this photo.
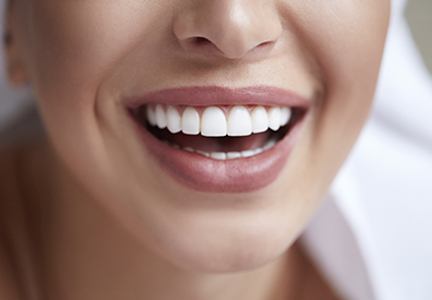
(373, 238)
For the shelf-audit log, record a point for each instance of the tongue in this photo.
(216, 144)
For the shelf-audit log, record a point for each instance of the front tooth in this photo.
(269, 145)
(239, 122)
(260, 121)
(218, 155)
(274, 118)
(151, 115)
(248, 153)
(232, 155)
(189, 149)
(285, 115)
(258, 151)
(203, 153)
(213, 122)
(161, 119)
(173, 120)
(190, 121)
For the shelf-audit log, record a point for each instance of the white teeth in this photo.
(260, 121)
(239, 122)
(269, 145)
(190, 121)
(161, 119)
(248, 153)
(285, 115)
(206, 154)
(213, 122)
(258, 151)
(218, 155)
(274, 118)
(173, 120)
(232, 155)
(151, 115)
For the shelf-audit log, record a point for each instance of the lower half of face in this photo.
(212, 129)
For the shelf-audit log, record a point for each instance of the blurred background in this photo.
(419, 15)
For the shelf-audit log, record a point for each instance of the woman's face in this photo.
(91, 61)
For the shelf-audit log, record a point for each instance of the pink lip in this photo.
(216, 95)
(229, 176)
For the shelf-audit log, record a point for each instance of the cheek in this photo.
(346, 39)
(71, 46)
(347, 42)
(349, 51)
(75, 44)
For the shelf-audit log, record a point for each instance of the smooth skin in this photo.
(92, 216)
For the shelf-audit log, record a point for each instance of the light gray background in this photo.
(419, 14)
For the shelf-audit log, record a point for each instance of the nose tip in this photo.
(229, 28)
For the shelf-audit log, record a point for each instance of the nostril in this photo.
(200, 41)
(201, 44)
(265, 44)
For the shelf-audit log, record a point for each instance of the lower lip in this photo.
(221, 176)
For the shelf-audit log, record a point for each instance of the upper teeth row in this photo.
(214, 122)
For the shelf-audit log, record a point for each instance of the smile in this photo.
(216, 139)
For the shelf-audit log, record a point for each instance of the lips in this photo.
(220, 140)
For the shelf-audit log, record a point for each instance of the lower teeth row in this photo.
(229, 155)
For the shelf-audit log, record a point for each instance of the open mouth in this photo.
(217, 139)
(219, 132)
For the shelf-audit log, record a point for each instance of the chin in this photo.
(223, 243)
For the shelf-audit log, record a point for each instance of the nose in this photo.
(234, 29)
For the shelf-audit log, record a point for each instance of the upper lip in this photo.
(219, 96)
